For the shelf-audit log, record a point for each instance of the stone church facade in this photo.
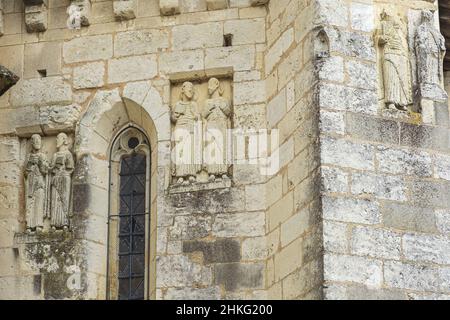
(224, 149)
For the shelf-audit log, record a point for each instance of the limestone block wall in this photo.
(91, 82)
(384, 175)
(293, 217)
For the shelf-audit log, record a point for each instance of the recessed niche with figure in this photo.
(201, 114)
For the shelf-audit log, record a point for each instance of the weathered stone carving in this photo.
(36, 19)
(124, 9)
(36, 186)
(7, 80)
(396, 66)
(169, 7)
(217, 115)
(185, 116)
(79, 13)
(62, 167)
(430, 52)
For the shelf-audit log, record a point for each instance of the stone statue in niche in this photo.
(396, 65)
(36, 186)
(61, 167)
(216, 113)
(186, 118)
(430, 52)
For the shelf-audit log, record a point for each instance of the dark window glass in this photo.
(132, 227)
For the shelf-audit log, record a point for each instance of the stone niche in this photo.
(201, 117)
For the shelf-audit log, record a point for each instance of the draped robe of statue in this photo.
(36, 170)
(396, 65)
(217, 112)
(185, 116)
(62, 168)
(430, 51)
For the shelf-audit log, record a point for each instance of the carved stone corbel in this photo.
(217, 4)
(124, 9)
(79, 13)
(36, 17)
(169, 7)
(7, 80)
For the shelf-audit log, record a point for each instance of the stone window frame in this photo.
(118, 150)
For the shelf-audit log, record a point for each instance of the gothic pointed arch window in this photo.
(129, 216)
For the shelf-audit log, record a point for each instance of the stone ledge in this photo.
(224, 184)
(24, 238)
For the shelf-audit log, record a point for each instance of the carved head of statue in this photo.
(395, 20)
(427, 16)
(187, 90)
(61, 140)
(213, 86)
(36, 142)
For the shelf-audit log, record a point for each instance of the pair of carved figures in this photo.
(201, 136)
(430, 51)
(48, 185)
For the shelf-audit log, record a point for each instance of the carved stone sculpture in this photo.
(36, 170)
(216, 113)
(430, 51)
(185, 116)
(62, 167)
(396, 66)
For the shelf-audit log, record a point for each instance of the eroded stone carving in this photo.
(430, 52)
(169, 7)
(61, 167)
(36, 19)
(396, 66)
(185, 116)
(124, 9)
(217, 113)
(7, 79)
(36, 186)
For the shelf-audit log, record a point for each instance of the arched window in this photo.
(129, 216)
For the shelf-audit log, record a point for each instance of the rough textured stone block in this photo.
(41, 92)
(372, 129)
(169, 7)
(89, 75)
(376, 243)
(335, 237)
(409, 276)
(132, 68)
(124, 9)
(381, 186)
(141, 42)
(180, 271)
(427, 248)
(424, 136)
(362, 17)
(42, 56)
(404, 161)
(239, 276)
(36, 18)
(212, 293)
(407, 217)
(247, 31)
(88, 48)
(334, 180)
(239, 225)
(351, 210)
(353, 269)
(336, 151)
(219, 251)
(216, 4)
(197, 36)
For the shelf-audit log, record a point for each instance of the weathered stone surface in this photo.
(426, 137)
(380, 186)
(409, 276)
(407, 217)
(190, 227)
(376, 243)
(362, 17)
(335, 237)
(334, 180)
(55, 119)
(132, 68)
(88, 48)
(254, 249)
(246, 31)
(372, 129)
(351, 210)
(219, 251)
(250, 224)
(180, 271)
(234, 276)
(124, 9)
(404, 161)
(336, 151)
(443, 221)
(430, 193)
(89, 75)
(427, 248)
(141, 42)
(41, 92)
(169, 7)
(36, 18)
(216, 4)
(198, 36)
(353, 269)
